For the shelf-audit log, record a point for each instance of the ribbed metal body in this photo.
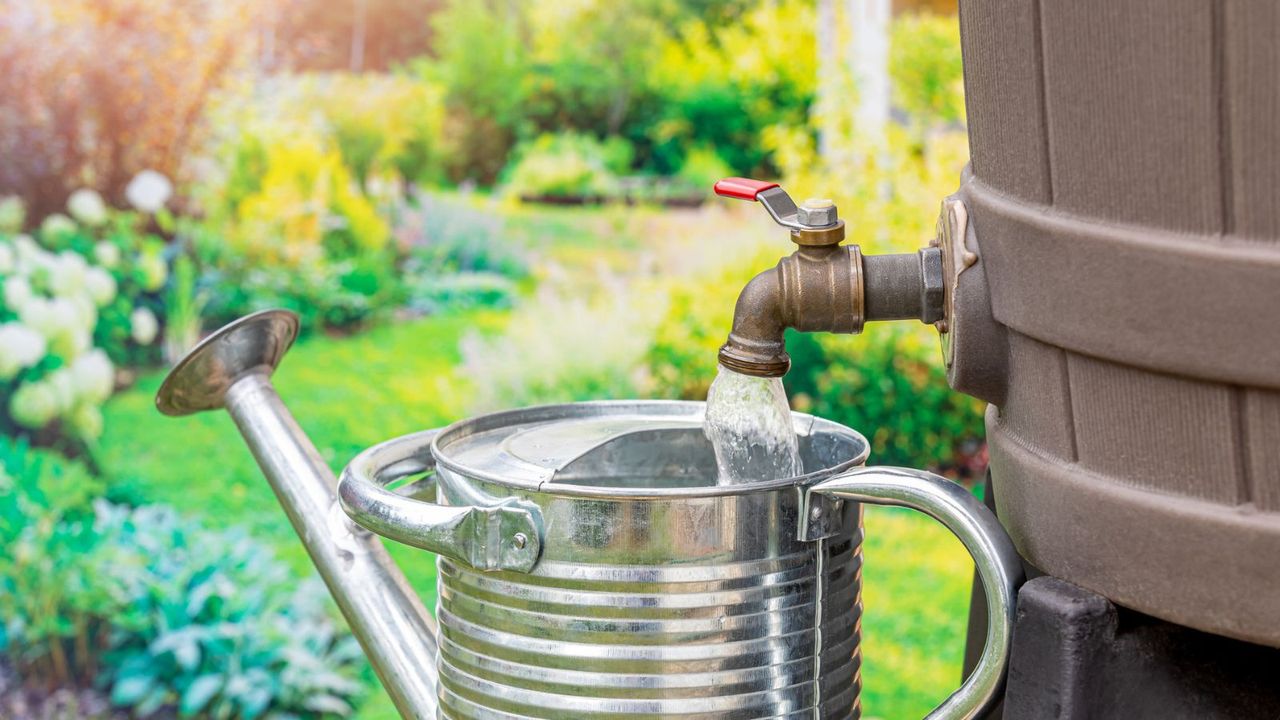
(680, 601)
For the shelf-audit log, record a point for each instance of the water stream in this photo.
(749, 424)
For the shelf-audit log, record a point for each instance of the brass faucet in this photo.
(823, 286)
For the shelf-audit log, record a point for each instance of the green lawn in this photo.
(351, 392)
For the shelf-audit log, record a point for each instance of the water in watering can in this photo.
(749, 424)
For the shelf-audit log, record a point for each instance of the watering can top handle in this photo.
(502, 536)
(997, 562)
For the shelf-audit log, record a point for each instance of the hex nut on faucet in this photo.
(817, 212)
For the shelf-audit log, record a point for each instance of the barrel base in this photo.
(1076, 655)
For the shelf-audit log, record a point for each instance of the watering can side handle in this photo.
(503, 536)
(997, 562)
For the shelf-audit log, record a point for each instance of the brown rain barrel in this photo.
(1125, 195)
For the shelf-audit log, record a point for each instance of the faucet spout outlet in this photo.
(824, 286)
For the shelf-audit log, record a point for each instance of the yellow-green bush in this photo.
(924, 63)
(289, 226)
(381, 124)
(293, 201)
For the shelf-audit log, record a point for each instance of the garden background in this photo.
(473, 204)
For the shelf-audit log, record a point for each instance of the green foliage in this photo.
(890, 384)
(291, 228)
(162, 611)
(590, 62)
(485, 91)
(206, 621)
(924, 64)
(48, 595)
(562, 347)
(701, 169)
(458, 254)
(567, 165)
(721, 86)
(381, 124)
(670, 77)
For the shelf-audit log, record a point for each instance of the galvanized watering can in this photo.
(589, 565)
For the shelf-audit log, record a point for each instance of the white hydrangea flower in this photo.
(34, 311)
(56, 227)
(33, 405)
(27, 250)
(106, 254)
(60, 322)
(20, 347)
(101, 285)
(67, 274)
(154, 271)
(86, 311)
(85, 421)
(8, 259)
(86, 205)
(17, 293)
(93, 376)
(148, 191)
(64, 389)
(145, 326)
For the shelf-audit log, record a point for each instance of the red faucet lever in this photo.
(742, 188)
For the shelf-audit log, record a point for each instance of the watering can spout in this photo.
(231, 369)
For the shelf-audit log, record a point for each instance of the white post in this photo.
(869, 62)
(828, 71)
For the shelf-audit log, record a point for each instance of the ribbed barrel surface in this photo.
(775, 637)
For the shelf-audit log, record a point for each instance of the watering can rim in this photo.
(688, 411)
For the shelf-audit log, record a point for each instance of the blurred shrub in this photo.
(924, 64)
(211, 623)
(380, 123)
(589, 62)
(485, 91)
(74, 306)
(719, 86)
(670, 77)
(890, 385)
(458, 254)
(48, 596)
(97, 90)
(701, 169)
(567, 166)
(289, 227)
(289, 199)
(162, 611)
(565, 347)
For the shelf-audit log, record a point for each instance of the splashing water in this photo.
(749, 424)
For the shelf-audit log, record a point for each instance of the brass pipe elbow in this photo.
(831, 288)
(823, 286)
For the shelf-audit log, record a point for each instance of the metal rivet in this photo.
(521, 540)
